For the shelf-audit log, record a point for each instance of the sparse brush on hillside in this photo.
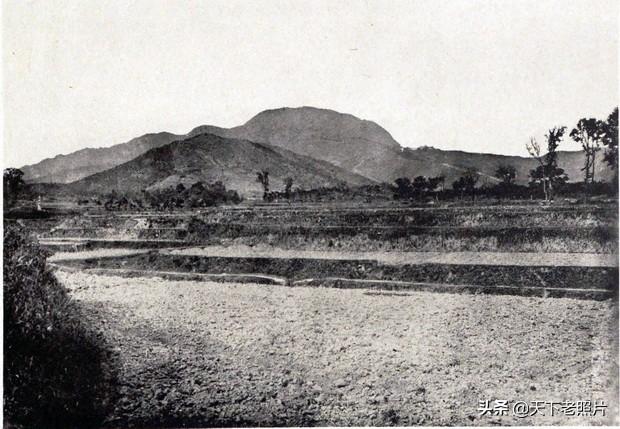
(365, 193)
(197, 195)
(53, 363)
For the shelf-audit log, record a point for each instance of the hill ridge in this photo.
(210, 158)
(359, 146)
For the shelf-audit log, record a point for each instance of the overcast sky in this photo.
(472, 75)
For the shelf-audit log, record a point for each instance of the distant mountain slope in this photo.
(365, 148)
(341, 139)
(358, 146)
(432, 162)
(210, 158)
(76, 165)
(320, 133)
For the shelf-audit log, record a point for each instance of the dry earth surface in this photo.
(396, 258)
(201, 353)
(527, 259)
(99, 253)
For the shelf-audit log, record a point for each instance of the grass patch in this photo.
(56, 373)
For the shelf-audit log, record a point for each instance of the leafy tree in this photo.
(404, 189)
(434, 182)
(553, 137)
(506, 173)
(12, 184)
(197, 187)
(288, 185)
(467, 183)
(262, 177)
(180, 188)
(470, 179)
(420, 186)
(551, 178)
(198, 195)
(459, 187)
(610, 139)
(589, 133)
(218, 187)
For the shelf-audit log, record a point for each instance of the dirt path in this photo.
(99, 253)
(399, 258)
(235, 354)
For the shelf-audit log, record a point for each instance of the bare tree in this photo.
(533, 148)
(548, 173)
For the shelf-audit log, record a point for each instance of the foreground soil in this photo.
(212, 354)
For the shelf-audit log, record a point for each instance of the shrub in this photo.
(198, 195)
(53, 363)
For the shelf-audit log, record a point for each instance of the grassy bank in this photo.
(56, 369)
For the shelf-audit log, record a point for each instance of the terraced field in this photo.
(325, 316)
(202, 353)
(491, 229)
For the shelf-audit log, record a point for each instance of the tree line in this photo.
(593, 135)
(180, 197)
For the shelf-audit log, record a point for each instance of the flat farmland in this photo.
(284, 316)
(196, 353)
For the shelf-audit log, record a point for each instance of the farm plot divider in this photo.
(324, 271)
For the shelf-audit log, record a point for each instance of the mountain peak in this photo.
(317, 115)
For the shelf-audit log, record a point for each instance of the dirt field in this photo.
(99, 253)
(460, 258)
(233, 354)
(373, 348)
(450, 258)
(457, 258)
